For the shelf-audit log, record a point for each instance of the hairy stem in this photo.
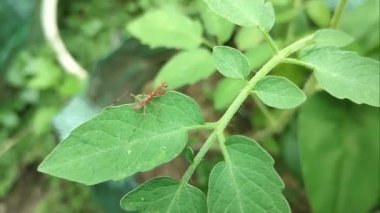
(297, 62)
(245, 92)
(297, 4)
(211, 125)
(338, 13)
(198, 158)
(223, 148)
(269, 39)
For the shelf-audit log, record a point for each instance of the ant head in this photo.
(164, 84)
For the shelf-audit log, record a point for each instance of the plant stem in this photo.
(211, 125)
(297, 5)
(221, 137)
(222, 146)
(338, 13)
(299, 44)
(297, 62)
(198, 157)
(245, 92)
(269, 39)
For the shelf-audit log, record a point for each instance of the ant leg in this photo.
(144, 110)
(158, 107)
(159, 113)
(119, 98)
(137, 97)
(155, 104)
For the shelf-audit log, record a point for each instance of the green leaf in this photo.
(46, 73)
(258, 55)
(246, 13)
(9, 171)
(41, 121)
(363, 24)
(246, 181)
(230, 62)
(319, 12)
(289, 14)
(339, 147)
(289, 149)
(70, 85)
(331, 37)
(279, 92)
(226, 91)
(167, 28)
(188, 154)
(9, 118)
(165, 195)
(186, 67)
(217, 26)
(345, 74)
(121, 141)
(248, 37)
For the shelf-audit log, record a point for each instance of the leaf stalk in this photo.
(338, 13)
(270, 41)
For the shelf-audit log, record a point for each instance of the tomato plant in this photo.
(335, 136)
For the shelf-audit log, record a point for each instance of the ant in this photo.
(155, 93)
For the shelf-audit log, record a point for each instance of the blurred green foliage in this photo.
(74, 198)
(18, 19)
